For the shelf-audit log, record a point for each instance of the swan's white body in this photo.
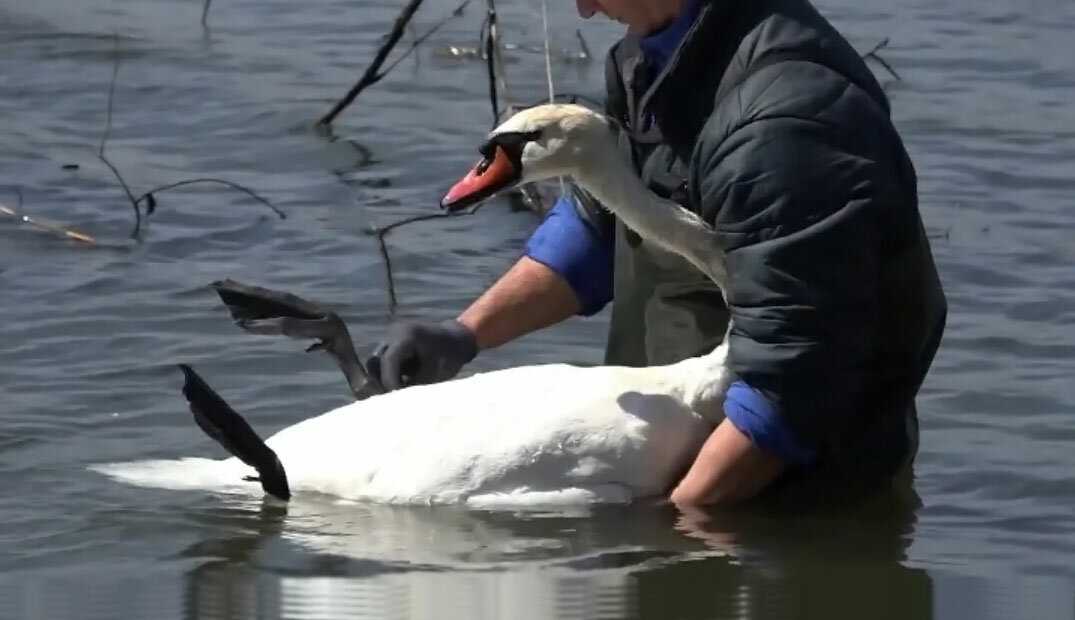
(548, 434)
(538, 434)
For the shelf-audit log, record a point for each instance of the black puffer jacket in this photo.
(769, 124)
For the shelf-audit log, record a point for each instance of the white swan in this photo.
(536, 434)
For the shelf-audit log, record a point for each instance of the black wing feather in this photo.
(225, 426)
(255, 302)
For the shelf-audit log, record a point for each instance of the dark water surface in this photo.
(89, 337)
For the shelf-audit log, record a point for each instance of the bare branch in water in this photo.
(564, 97)
(882, 44)
(104, 142)
(457, 11)
(18, 194)
(414, 41)
(873, 53)
(205, 13)
(371, 76)
(582, 45)
(548, 53)
(151, 201)
(941, 234)
(148, 198)
(111, 96)
(490, 47)
(393, 301)
(130, 196)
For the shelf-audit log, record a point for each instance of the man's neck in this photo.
(661, 14)
(659, 45)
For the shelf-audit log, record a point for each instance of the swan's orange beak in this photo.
(488, 177)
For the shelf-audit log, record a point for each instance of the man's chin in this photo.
(636, 30)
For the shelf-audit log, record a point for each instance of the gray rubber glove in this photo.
(420, 353)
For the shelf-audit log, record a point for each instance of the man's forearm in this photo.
(528, 297)
(728, 469)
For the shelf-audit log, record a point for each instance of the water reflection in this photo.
(836, 562)
(332, 560)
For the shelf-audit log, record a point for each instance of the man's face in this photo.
(637, 15)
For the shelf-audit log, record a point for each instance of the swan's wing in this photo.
(214, 416)
(264, 311)
(246, 302)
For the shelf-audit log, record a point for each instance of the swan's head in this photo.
(538, 143)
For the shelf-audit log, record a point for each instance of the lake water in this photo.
(89, 338)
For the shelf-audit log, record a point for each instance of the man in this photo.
(760, 117)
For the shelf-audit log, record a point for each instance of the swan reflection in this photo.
(336, 560)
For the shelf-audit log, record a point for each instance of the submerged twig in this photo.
(873, 53)
(45, 225)
(371, 76)
(149, 199)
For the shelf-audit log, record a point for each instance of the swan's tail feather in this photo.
(230, 430)
(186, 474)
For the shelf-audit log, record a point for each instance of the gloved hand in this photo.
(420, 353)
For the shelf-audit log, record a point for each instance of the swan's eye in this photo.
(512, 142)
(488, 151)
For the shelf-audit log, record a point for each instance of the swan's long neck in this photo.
(611, 180)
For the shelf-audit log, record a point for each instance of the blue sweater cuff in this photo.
(756, 417)
(565, 243)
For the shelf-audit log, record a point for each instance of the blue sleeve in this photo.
(567, 244)
(757, 418)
